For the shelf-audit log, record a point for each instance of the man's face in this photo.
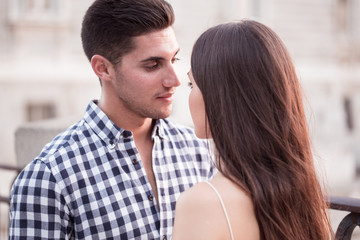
(145, 79)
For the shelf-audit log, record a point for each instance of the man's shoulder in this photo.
(64, 141)
(58, 153)
(53, 153)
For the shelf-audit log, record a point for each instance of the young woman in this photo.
(246, 97)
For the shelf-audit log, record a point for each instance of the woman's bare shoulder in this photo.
(195, 217)
(198, 194)
(199, 213)
(196, 201)
(240, 209)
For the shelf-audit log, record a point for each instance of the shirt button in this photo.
(112, 143)
(134, 161)
(150, 197)
(163, 237)
(126, 134)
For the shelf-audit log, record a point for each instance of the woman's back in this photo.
(200, 215)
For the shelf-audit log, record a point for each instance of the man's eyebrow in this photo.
(154, 58)
(150, 59)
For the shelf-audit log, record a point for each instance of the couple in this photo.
(118, 173)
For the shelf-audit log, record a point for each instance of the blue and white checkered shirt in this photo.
(90, 183)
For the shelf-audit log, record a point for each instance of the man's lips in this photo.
(166, 96)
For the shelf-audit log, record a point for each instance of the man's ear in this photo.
(102, 67)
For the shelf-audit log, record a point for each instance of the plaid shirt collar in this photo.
(108, 131)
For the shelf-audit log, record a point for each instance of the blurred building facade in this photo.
(44, 73)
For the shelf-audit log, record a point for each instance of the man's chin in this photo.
(162, 114)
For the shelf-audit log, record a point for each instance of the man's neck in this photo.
(143, 133)
(140, 127)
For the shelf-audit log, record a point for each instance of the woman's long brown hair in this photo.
(254, 107)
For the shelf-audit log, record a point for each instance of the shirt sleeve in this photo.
(37, 207)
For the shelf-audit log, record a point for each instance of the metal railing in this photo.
(4, 199)
(349, 222)
(344, 230)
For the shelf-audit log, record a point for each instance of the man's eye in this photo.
(153, 66)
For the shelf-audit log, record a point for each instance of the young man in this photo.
(117, 173)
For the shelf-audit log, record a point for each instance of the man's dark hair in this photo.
(109, 25)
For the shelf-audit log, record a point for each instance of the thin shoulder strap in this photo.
(223, 206)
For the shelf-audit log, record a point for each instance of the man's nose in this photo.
(171, 79)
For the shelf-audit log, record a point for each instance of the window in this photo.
(40, 111)
(348, 113)
(342, 16)
(348, 30)
(37, 10)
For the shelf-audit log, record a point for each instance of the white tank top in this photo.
(224, 209)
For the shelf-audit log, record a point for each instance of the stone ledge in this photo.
(30, 138)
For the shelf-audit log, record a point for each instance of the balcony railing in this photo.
(350, 221)
(4, 200)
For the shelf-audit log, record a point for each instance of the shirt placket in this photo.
(160, 171)
(138, 175)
